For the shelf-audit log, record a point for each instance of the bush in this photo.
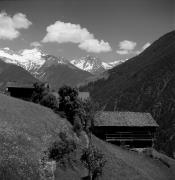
(62, 151)
(40, 90)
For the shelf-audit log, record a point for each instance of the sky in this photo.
(108, 29)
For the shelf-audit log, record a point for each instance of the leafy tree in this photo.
(79, 112)
(94, 161)
(87, 114)
(69, 102)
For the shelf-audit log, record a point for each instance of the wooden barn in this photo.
(20, 90)
(132, 129)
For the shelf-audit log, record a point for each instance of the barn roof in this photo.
(19, 85)
(109, 118)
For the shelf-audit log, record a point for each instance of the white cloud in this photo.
(61, 32)
(35, 44)
(122, 52)
(126, 47)
(93, 45)
(66, 32)
(10, 26)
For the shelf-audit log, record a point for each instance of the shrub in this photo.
(49, 101)
(62, 151)
(40, 90)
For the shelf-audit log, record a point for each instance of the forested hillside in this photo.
(145, 83)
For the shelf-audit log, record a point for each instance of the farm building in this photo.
(20, 90)
(133, 129)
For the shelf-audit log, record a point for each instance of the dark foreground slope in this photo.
(11, 72)
(145, 83)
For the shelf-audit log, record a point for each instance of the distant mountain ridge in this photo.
(33, 59)
(56, 70)
(12, 72)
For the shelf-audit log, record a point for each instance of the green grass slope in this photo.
(127, 165)
(27, 128)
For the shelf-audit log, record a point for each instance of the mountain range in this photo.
(145, 83)
(56, 70)
(34, 59)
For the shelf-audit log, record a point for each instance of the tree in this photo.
(80, 113)
(94, 161)
(87, 114)
(69, 102)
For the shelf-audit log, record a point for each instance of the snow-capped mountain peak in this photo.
(109, 65)
(29, 59)
(87, 63)
(94, 64)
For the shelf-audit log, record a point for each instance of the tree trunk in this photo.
(90, 175)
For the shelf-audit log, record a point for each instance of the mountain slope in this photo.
(61, 74)
(11, 72)
(145, 83)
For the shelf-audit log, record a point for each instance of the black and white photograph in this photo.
(87, 89)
